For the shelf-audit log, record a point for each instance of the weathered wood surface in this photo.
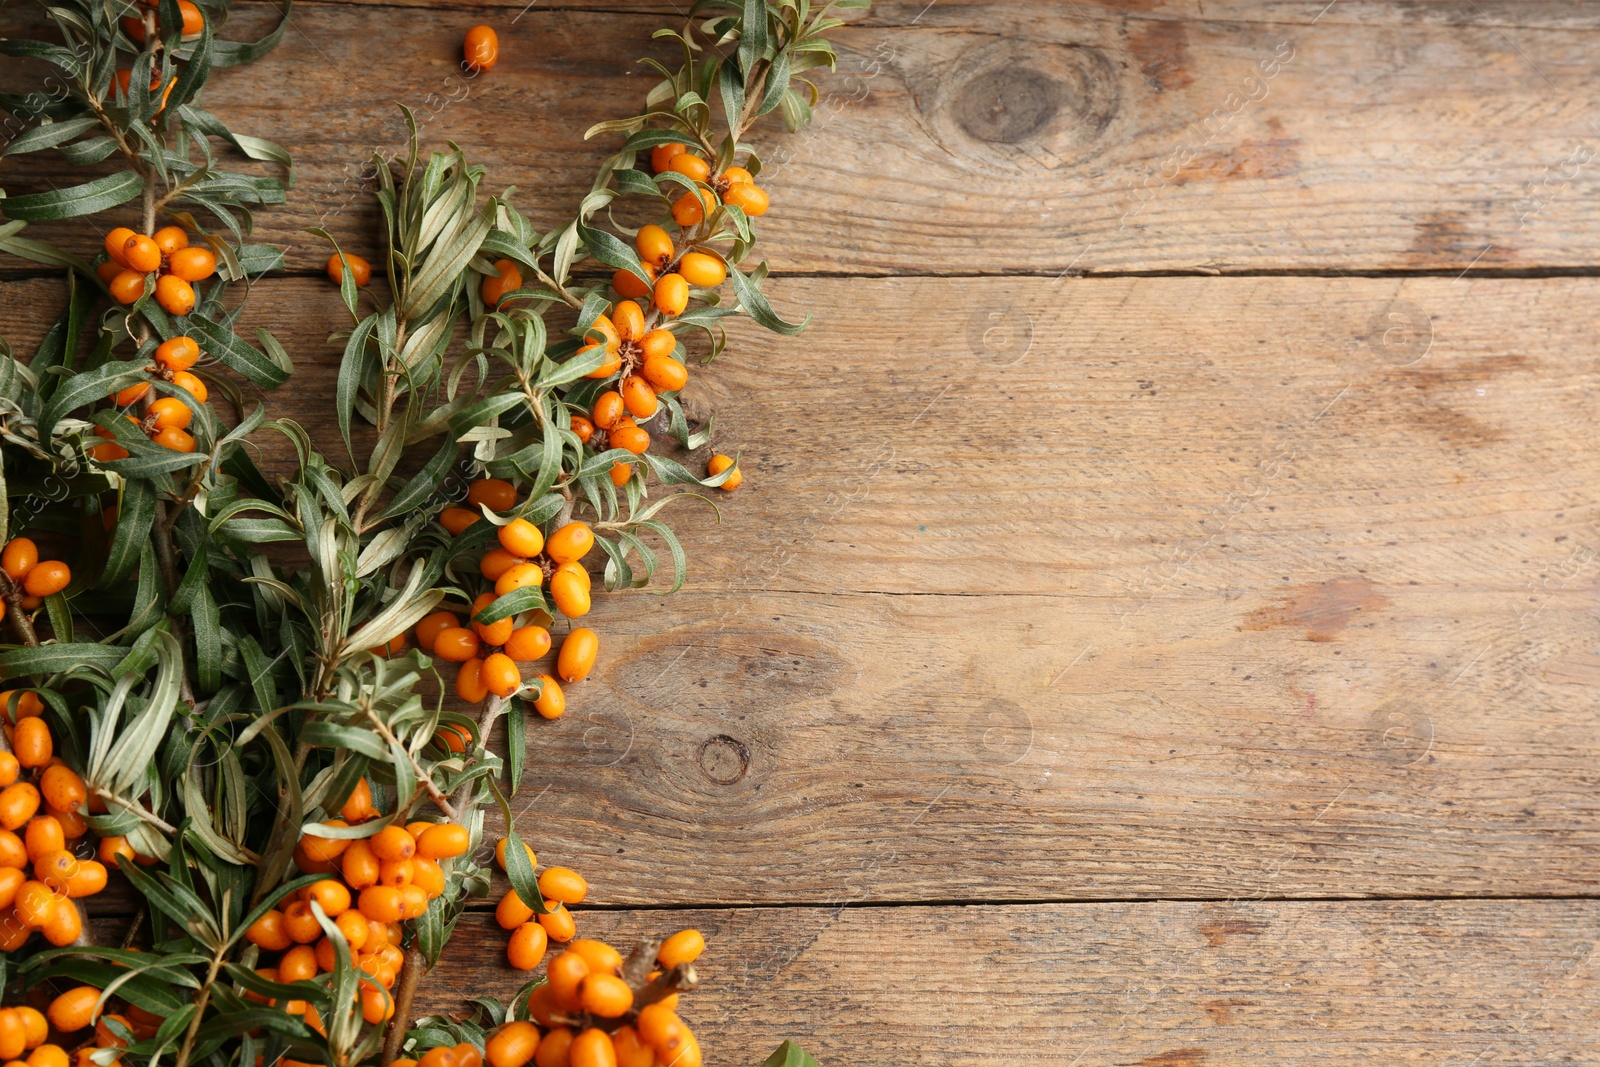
(1157, 985)
(1203, 595)
(996, 139)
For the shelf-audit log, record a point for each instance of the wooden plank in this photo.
(1160, 985)
(1205, 594)
(978, 138)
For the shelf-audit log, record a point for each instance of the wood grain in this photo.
(979, 138)
(1201, 594)
(1158, 985)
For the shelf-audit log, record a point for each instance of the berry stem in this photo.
(405, 993)
(679, 979)
(434, 792)
(19, 618)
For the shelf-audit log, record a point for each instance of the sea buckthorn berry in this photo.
(358, 806)
(610, 365)
(702, 269)
(108, 269)
(170, 238)
(360, 866)
(578, 652)
(510, 913)
(628, 318)
(127, 287)
(555, 1049)
(658, 343)
(551, 702)
(512, 1045)
(429, 629)
(581, 426)
(381, 902)
(267, 932)
(620, 473)
(9, 769)
(360, 269)
(175, 439)
(627, 434)
(43, 836)
(175, 295)
(720, 463)
(62, 788)
(397, 873)
(31, 740)
(141, 254)
(558, 922)
(481, 49)
(570, 594)
(522, 538)
(738, 175)
(456, 520)
(662, 155)
(631, 1049)
(505, 279)
(453, 736)
(608, 408)
(527, 946)
(393, 843)
(563, 884)
(178, 353)
(593, 1048)
(74, 1009)
(14, 933)
(428, 875)
(665, 374)
(73, 824)
(301, 924)
(605, 995)
(35, 1027)
(331, 894)
(491, 633)
(130, 395)
(496, 562)
(500, 675)
(116, 241)
(355, 927)
(684, 946)
(496, 494)
(565, 974)
(690, 166)
(190, 384)
(455, 644)
(299, 964)
(326, 848)
(527, 643)
(691, 210)
(469, 682)
(639, 397)
(417, 827)
(672, 294)
(630, 285)
(601, 957)
(413, 901)
(49, 1055)
(376, 1004)
(747, 198)
(654, 245)
(194, 20)
(114, 846)
(19, 557)
(443, 841)
(88, 878)
(13, 1038)
(36, 903)
(11, 879)
(500, 853)
(170, 412)
(193, 264)
(661, 1029)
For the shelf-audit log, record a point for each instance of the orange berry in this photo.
(628, 319)
(107, 269)
(175, 439)
(672, 294)
(438, 1057)
(453, 736)
(512, 1045)
(665, 374)
(429, 629)
(662, 155)
(702, 269)
(510, 913)
(455, 644)
(572, 542)
(175, 295)
(18, 802)
(527, 643)
(443, 841)
(169, 411)
(738, 175)
(628, 284)
(605, 995)
(381, 902)
(720, 463)
(500, 853)
(360, 866)
(19, 557)
(620, 473)
(491, 633)
(481, 49)
(684, 946)
(496, 562)
(130, 395)
(178, 353)
(639, 397)
(170, 238)
(551, 702)
(267, 932)
(326, 848)
(690, 210)
(601, 957)
(661, 1029)
(127, 287)
(358, 807)
(496, 494)
(393, 843)
(631, 1049)
(527, 946)
(469, 682)
(578, 652)
(43, 835)
(563, 884)
(517, 577)
(49, 1056)
(35, 1027)
(300, 923)
(190, 384)
(657, 343)
(608, 409)
(193, 264)
(747, 198)
(654, 245)
(88, 879)
(397, 873)
(566, 974)
(36, 903)
(428, 875)
(611, 364)
(413, 901)
(194, 19)
(500, 675)
(360, 269)
(570, 593)
(555, 1049)
(355, 927)
(593, 1048)
(299, 964)
(376, 1004)
(116, 241)
(9, 769)
(140, 253)
(690, 166)
(521, 538)
(73, 824)
(14, 933)
(47, 577)
(74, 1009)
(114, 846)
(558, 922)
(11, 879)
(456, 520)
(331, 894)
(505, 279)
(581, 426)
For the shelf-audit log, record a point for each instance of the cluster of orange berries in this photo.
(36, 578)
(132, 257)
(585, 1015)
(166, 421)
(532, 932)
(671, 275)
(378, 882)
(24, 1030)
(735, 185)
(489, 653)
(42, 903)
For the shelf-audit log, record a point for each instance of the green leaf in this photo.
(50, 134)
(236, 53)
(528, 598)
(352, 368)
(85, 199)
(613, 252)
(134, 517)
(790, 1054)
(234, 352)
(516, 743)
(752, 35)
(756, 306)
(48, 659)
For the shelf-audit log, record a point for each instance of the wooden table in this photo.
(1159, 625)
